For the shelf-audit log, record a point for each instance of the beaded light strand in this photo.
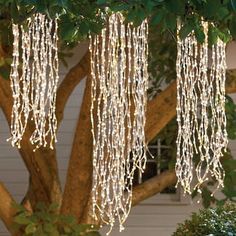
(119, 85)
(200, 110)
(34, 88)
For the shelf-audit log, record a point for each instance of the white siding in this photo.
(145, 219)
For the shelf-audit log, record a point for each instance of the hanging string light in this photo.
(200, 110)
(34, 77)
(119, 84)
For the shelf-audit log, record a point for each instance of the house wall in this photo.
(151, 218)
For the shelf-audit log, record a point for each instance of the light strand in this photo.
(34, 89)
(200, 110)
(119, 85)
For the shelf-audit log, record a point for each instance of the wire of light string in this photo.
(34, 78)
(119, 58)
(201, 118)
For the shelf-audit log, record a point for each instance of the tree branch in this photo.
(160, 111)
(72, 79)
(79, 175)
(153, 186)
(7, 211)
(231, 81)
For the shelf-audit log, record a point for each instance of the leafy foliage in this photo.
(219, 221)
(46, 221)
(78, 18)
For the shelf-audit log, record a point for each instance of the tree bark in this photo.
(7, 211)
(79, 175)
(153, 186)
(231, 81)
(160, 111)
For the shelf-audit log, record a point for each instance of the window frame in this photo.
(178, 198)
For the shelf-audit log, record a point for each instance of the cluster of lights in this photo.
(119, 85)
(200, 110)
(34, 87)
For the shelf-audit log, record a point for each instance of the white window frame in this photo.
(165, 198)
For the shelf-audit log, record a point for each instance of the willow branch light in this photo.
(119, 85)
(200, 110)
(34, 84)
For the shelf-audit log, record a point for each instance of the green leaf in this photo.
(229, 165)
(119, 7)
(229, 192)
(149, 5)
(171, 21)
(81, 228)
(14, 11)
(206, 197)
(176, 6)
(39, 231)
(233, 3)
(30, 229)
(63, 3)
(68, 31)
(55, 233)
(22, 219)
(224, 36)
(185, 30)
(53, 207)
(18, 207)
(49, 228)
(199, 33)
(211, 7)
(67, 229)
(70, 220)
(41, 206)
(232, 27)
(158, 17)
(45, 216)
(41, 6)
(101, 2)
(212, 35)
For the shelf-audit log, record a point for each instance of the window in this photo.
(159, 157)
